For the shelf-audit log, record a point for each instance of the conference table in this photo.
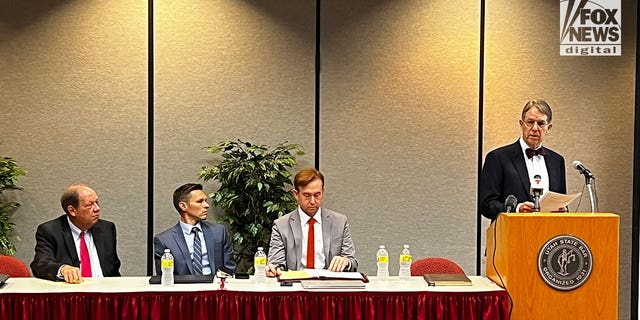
(135, 298)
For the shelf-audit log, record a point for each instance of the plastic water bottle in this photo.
(383, 263)
(405, 263)
(167, 268)
(259, 265)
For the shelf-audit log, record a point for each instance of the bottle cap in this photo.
(260, 248)
(167, 250)
(382, 246)
(406, 246)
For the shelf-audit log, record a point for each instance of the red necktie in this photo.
(85, 262)
(310, 246)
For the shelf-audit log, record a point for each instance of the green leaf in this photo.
(253, 190)
(9, 176)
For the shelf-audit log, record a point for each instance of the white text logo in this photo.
(590, 28)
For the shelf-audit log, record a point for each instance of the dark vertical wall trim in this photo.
(480, 137)
(317, 87)
(635, 225)
(150, 158)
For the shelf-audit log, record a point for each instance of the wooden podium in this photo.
(516, 243)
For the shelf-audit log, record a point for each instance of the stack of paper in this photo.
(332, 284)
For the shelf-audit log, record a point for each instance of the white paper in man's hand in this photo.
(552, 201)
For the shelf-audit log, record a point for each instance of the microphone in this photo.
(536, 187)
(510, 203)
(582, 169)
(536, 191)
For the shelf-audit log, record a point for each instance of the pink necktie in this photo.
(85, 262)
(310, 242)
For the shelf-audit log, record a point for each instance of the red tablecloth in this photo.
(224, 304)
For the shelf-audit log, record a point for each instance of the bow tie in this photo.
(538, 152)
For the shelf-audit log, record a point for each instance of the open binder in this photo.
(317, 274)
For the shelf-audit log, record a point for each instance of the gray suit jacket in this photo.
(215, 237)
(285, 247)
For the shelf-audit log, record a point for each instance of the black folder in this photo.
(185, 278)
(3, 279)
(439, 279)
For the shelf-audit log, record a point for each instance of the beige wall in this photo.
(227, 70)
(592, 99)
(74, 109)
(399, 125)
(399, 91)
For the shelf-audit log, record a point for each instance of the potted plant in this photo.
(255, 189)
(9, 173)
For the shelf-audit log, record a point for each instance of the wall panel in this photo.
(73, 109)
(399, 122)
(228, 70)
(592, 99)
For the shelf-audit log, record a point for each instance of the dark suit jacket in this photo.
(55, 246)
(216, 239)
(285, 246)
(505, 172)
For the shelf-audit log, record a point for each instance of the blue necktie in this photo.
(197, 252)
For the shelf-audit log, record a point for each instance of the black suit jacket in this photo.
(55, 247)
(505, 172)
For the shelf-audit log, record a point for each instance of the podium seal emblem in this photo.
(565, 262)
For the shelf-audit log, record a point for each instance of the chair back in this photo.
(434, 265)
(13, 267)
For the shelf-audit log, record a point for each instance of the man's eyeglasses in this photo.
(530, 123)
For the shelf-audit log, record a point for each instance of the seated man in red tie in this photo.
(310, 237)
(198, 247)
(79, 244)
(511, 169)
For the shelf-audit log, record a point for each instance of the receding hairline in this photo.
(71, 195)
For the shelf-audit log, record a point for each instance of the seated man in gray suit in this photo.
(197, 246)
(311, 237)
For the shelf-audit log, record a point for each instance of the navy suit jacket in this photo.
(505, 172)
(216, 239)
(55, 246)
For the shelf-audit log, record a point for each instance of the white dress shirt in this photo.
(96, 269)
(318, 247)
(189, 237)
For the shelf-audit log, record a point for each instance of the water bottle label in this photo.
(167, 263)
(260, 261)
(405, 258)
(383, 259)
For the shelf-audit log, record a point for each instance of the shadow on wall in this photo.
(293, 15)
(16, 15)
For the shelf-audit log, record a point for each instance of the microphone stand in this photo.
(588, 179)
(536, 201)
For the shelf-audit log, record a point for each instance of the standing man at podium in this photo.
(511, 169)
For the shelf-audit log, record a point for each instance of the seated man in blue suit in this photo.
(197, 246)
